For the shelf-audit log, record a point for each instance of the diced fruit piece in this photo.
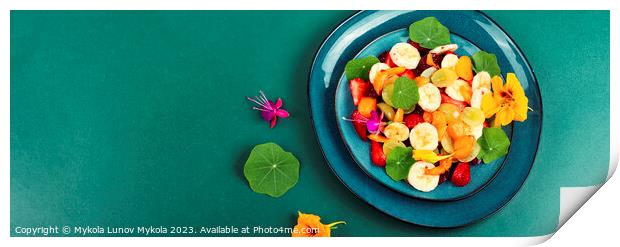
(446, 99)
(449, 61)
(359, 88)
(385, 58)
(481, 80)
(466, 93)
(418, 178)
(400, 114)
(367, 105)
(360, 127)
(457, 129)
(376, 153)
(443, 167)
(461, 175)
(427, 116)
(424, 137)
(376, 68)
(463, 146)
(428, 72)
(396, 131)
(440, 123)
(444, 49)
(446, 144)
(387, 110)
(405, 55)
(421, 81)
(464, 68)
(386, 77)
(409, 74)
(472, 155)
(391, 145)
(421, 49)
(429, 97)
(452, 111)
(472, 116)
(411, 120)
(378, 138)
(443, 77)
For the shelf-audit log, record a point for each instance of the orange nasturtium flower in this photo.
(508, 102)
(309, 225)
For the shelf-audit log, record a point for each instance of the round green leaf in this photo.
(429, 33)
(493, 144)
(398, 163)
(271, 170)
(484, 61)
(359, 68)
(405, 93)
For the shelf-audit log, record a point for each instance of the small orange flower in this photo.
(508, 101)
(309, 225)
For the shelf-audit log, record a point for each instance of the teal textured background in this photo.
(138, 118)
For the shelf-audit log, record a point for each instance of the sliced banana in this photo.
(430, 97)
(449, 61)
(424, 137)
(444, 48)
(475, 131)
(428, 72)
(375, 69)
(454, 89)
(405, 55)
(418, 178)
(446, 143)
(481, 80)
(396, 131)
(476, 97)
(474, 152)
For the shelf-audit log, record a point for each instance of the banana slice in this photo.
(481, 80)
(444, 48)
(375, 69)
(446, 143)
(396, 131)
(405, 55)
(449, 61)
(454, 89)
(424, 137)
(428, 72)
(418, 178)
(430, 97)
(476, 97)
(474, 152)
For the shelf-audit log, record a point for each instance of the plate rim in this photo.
(328, 163)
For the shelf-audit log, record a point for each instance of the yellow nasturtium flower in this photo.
(507, 102)
(309, 225)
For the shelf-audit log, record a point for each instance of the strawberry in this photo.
(461, 175)
(446, 99)
(360, 127)
(376, 153)
(411, 120)
(359, 88)
(409, 74)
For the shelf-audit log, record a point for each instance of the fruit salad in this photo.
(428, 113)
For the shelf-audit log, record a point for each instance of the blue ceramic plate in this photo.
(360, 150)
(365, 33)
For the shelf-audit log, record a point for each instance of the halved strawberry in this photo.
(359, 88)
(446, 99)
(409, 74)
(360, 127)
(411, 120)
(376, 153)
(461, 175)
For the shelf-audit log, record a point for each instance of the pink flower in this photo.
(269, 111)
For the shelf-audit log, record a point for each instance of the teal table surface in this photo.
(138, 118)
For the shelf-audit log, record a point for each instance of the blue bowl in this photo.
(360, 150)
(493, 185)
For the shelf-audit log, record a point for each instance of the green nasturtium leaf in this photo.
(429, 33)
(405, 93)
(360, 67)
(271, 170)
(484, 61)
(398, 163)
(493, 144)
